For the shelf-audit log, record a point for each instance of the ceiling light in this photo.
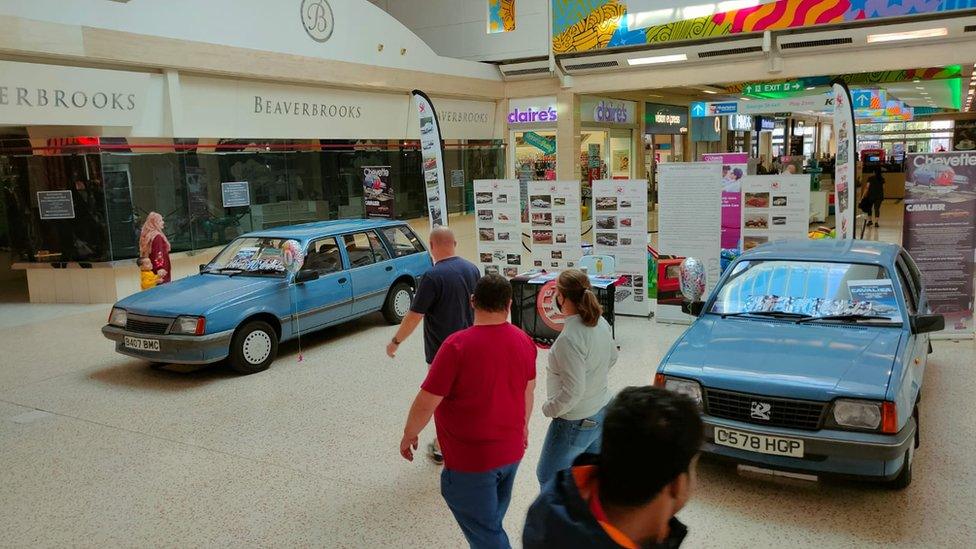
(925, 93)
(919, 88)
(709, 92)
(811, 88)
(917, 80)
(908, 35)
(657, 59)
(746, 99)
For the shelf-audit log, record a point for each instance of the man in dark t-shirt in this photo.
(443, 302)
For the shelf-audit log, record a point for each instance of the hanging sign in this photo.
(433, 161)
(544, 144)
(773, 87)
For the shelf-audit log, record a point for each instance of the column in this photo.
(567, 136)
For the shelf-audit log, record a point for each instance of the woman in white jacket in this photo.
(576, 379)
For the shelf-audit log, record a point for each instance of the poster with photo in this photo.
(555, 223)
(499, 227)
(690, 222)
(734, 167)
(940, 233)
(377, 192)
(620, 230)
(774, 208)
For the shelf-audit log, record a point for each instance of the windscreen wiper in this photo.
(843, 318)
(771, 314)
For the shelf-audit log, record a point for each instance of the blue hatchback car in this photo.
(244, 302)
(809, 357)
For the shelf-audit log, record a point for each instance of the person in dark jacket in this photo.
(874, 196)
(628, 495)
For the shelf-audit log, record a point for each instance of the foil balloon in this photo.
(692, 278)
(292, 255)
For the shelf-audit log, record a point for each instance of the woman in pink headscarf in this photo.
(154, 245)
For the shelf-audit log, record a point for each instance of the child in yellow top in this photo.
(147, 278)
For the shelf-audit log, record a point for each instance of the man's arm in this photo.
(529, 402)
(409, 324)
(420, 414)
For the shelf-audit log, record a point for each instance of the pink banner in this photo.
(733, 168)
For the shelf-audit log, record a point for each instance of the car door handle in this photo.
(342, 280)
(389, 268)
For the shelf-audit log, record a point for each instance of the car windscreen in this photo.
(809, 289)
(250, 256)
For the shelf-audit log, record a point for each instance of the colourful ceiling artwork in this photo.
(583, 25)
(501, 16)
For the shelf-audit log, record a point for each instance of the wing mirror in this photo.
(924, 324)
(307, 275)
(691, 278)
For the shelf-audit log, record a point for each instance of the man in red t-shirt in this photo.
(479, 390)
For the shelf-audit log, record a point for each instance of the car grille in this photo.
(783, 412)
(148, 326)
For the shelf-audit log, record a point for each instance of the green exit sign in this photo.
(773, 87)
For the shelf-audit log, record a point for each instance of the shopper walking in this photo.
(479, 390)
(576, 379)
(442, 302)
(873, 196)
(628, 495)
(154, 245)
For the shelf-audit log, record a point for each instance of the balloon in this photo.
(292, 255)
(692, 278)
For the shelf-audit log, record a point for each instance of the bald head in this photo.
(443, 244)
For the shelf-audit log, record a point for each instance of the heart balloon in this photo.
(692, 279)
(292, 255)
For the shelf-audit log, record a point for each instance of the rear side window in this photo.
(358, 249)
(323, 256)
(402, 240)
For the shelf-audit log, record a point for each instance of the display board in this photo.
(378, 192)
(235, 194)
(556, 223)
(620, 230)
(940, 233)
(734, 167)
(499, 226)
(844, 168)
(774, 208)
(433, 161)
(55, 205)
(690, 225)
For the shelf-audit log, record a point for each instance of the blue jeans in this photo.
(565, 441)
(479, 502)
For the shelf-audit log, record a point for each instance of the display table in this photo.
(534, 310)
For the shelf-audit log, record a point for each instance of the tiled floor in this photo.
(99, 450)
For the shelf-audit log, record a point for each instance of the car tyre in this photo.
(398, 303)
(253, 347)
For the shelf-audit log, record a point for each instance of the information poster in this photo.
(499, 226)
(235, 194)
(377, 192)
(690, 221)
(734, 167)
(55, 205)
(774, 208)
(556, 224)
(620, 230)
(939, 233)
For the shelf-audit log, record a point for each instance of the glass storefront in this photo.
(114, 188)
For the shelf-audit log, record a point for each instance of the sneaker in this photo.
(434, 454)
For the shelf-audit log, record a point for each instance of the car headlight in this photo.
(857, 414)
(118, 317)
(189, 325)
(687, 387)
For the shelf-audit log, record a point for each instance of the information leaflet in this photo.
(690, 201)
(774, 207)
(499, 226)
(556, 224)
(620, 230)
(939, 233)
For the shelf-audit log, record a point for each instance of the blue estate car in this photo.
(809, 357)
(244, 301)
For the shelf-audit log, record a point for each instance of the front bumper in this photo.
(834, 453)
(179, 349)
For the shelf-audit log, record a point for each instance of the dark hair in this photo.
(877, 171)
(650, 436)
(140, 260)
(492, 293)
(575, 286)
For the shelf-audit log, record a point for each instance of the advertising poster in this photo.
(734, 167)
(690, 222)
(846, 162)
(620, 230)
(433, 161)
(774, 208)
(377, 192)
(939, 233)
(499, 227)
(874, 298)
(556, 224)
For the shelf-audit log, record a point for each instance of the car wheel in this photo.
(253, 347)
(398, 303)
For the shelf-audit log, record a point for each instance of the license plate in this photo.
(141, 344)
(764, 444)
